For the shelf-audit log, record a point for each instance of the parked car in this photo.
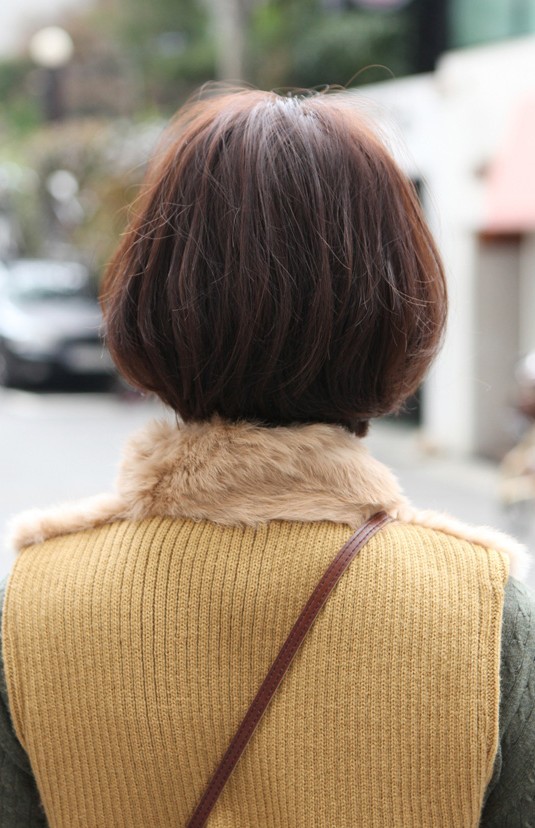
(50, 322)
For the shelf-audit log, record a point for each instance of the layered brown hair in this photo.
(278, 267)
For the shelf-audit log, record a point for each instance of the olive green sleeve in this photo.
(510, 799)
(20, 806)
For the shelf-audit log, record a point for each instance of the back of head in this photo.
(278, 267)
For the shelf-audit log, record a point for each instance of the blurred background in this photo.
(86, 87)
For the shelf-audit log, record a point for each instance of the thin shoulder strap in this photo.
(279, 667)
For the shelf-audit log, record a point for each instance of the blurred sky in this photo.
(18, 17)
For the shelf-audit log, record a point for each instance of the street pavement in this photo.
(58, 446)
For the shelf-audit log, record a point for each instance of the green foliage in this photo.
(289, 43)
(166, 48)
(348, 45)
(170, 77)
(20, 109)
(301, 44)
(148, 58)
(171, 44)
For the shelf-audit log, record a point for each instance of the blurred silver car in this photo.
(50, 322)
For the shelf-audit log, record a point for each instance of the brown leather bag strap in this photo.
(279, 667)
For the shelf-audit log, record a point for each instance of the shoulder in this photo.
(447, 532)
(511, 793)
(35, 526)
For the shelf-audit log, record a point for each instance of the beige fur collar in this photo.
(247, 474)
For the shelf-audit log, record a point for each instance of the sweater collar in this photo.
(242, 473)
(246, 474)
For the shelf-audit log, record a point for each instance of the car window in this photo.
(41, 281)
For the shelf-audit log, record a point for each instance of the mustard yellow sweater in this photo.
(132, 652)
(138, 627)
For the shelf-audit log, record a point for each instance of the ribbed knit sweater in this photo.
(133, 644)
(141, 644)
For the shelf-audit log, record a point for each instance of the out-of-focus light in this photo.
(526, 370)
(62, 185)
(51, 47)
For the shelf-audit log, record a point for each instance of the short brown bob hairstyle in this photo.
(278, 268)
